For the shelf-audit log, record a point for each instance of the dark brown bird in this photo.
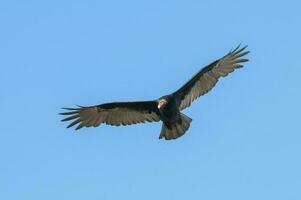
(166, 109)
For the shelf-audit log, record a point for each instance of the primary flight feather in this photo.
(166, 109)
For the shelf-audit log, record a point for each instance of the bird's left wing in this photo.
(206, 78)
(115, 114)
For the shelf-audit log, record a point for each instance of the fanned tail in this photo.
(177, 130)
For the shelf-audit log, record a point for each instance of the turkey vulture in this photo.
(166, 109)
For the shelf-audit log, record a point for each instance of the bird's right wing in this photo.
(206, 78)
(115, 114)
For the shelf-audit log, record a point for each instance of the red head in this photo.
(161, 103)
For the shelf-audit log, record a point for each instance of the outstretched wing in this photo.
(115, 114)
(206, 78)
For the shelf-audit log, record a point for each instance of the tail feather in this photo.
(177, 130)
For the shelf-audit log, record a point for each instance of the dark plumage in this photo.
(166, 109)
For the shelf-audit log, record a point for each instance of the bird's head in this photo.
(162, 103)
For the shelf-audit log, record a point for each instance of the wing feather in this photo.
(115, 114)
(206, 78)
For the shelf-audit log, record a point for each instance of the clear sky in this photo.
(243, 143)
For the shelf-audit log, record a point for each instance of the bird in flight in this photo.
(166, 109)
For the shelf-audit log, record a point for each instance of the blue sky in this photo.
(244, 141)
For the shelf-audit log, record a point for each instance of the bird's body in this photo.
(170, 112)
(166, 109)
(174, 122)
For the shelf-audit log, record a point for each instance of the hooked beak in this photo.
(161, 103)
